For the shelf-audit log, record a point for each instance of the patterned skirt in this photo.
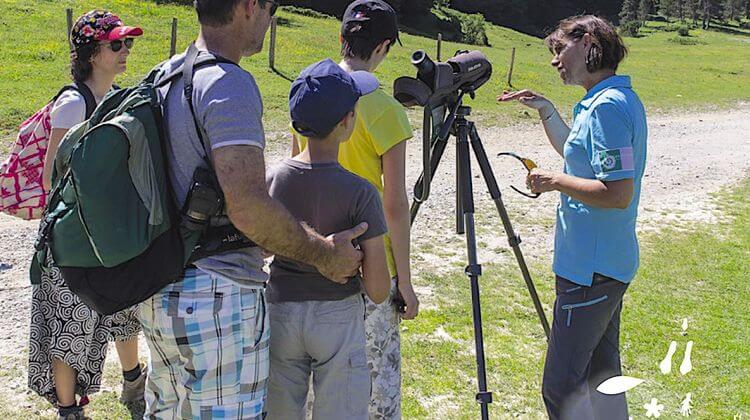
(64, 328)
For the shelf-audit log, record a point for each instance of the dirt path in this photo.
(690, 157)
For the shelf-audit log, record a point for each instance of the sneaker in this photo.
(76, 415)
(132, 391)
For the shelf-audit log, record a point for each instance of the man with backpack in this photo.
(208, 333)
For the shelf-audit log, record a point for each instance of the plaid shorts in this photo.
(208, 342)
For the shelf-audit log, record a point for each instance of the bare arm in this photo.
(554, 126)
(49, 157)
(375, 274)
(241, 174)
(593, 192)
(396, 209)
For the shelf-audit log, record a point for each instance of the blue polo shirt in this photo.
(607, 142)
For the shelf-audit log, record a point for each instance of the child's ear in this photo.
(383, 47)
(348, 119)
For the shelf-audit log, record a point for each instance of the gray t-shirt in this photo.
(229, 108)
(329, 199)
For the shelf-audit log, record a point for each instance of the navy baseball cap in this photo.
(323, 94)
(374, 19)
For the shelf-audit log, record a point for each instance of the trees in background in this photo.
(735, 9)
(629, 22)
(705, 10)
(537, 17)
(645, 8)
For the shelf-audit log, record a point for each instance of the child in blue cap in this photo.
(318, 324)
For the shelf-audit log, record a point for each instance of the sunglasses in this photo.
(274, 6)
(116, 46)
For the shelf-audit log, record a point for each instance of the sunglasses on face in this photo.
(116, 46)
(274, 6)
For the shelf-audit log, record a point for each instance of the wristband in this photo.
(545, 119)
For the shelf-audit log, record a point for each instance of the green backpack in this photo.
(112, 224)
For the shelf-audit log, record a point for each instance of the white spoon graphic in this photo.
(687, 365)
(666, 365)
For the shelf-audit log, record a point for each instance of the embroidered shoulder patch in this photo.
(612, 160)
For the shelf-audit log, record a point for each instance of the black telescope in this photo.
(437, 83)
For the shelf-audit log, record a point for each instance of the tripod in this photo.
(465, 133)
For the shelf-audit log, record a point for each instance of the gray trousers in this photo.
(325, 339)
(584, 351)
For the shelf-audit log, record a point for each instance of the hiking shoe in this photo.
(76, 415)
(133, 391)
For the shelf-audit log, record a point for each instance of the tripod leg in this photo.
(513, 239)
(473, 270)
(460, 228)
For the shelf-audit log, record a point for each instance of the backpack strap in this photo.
(194, 59)
(83, 90)
(188, 71)
(88, 97)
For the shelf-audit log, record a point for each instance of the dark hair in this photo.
(215, 12)
(607, 49)
(80, 61)
(361, 47)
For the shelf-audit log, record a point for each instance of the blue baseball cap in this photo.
(323, 94)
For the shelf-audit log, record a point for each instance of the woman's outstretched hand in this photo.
(527, 97)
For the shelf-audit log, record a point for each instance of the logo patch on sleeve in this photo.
(613, 160)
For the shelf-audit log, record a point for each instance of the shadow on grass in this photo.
(728, 29)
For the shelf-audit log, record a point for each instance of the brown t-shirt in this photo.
(329, 199)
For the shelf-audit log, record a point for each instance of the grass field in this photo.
(667, 75)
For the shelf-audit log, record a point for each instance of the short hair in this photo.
(80, 61)
(607, 50)
(362, 47)
(215, 12)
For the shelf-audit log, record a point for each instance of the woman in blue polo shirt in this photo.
(596, 249)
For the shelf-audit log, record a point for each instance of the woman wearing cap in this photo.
(68, 341)
(596, 249)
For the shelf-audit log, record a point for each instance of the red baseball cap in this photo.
(100, 25)
(119, 33)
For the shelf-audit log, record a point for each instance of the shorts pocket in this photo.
(359, 383)
(254, 319)
(337, 311)
(573, 306)
(192, 304)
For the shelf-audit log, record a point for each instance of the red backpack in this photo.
(21, 191)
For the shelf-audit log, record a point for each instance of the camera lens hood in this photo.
(410, 91)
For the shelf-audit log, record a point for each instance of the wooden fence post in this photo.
(69, 15)
(439, 45)
(510, 69)
(272, 47)
(173, 42)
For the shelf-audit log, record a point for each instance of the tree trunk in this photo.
(706, 14)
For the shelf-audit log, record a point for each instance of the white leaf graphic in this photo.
(618, 385)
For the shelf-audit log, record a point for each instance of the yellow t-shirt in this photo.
(381, 124)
